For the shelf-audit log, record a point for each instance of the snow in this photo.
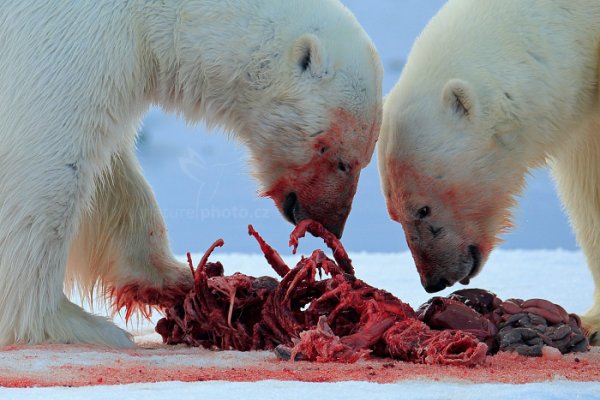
(300, 390)
(204, 191)
(557, 275)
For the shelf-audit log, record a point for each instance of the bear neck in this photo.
(204, 56)
(535, 73)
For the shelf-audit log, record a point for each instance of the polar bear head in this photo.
(316, 125)
(449, 176)
(299, 83)
(460, 130)
(477, 105)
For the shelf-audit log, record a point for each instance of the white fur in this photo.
(490, 90)
(75, 79)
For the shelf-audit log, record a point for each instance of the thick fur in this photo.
(490, 90)
(75, 79)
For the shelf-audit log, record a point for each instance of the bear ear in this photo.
(459, 98)
(309, 55)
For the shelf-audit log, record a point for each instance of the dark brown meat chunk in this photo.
(511, 325)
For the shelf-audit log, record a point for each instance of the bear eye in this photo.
(423, 212)
(344, 167)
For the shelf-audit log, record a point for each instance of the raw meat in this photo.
(511, 325)
(320, 311)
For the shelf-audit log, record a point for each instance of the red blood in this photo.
(339, 253)
(273, 258)
(321, 344)
(141, 299)
(455, 348)
(140, 365)
(218, 311)
(323, 192)
(451, 199)
(414, 340)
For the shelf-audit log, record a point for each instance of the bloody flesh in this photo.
(320, 311)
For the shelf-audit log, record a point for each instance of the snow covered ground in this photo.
(203, 188)
(301, 390)
(557, 275)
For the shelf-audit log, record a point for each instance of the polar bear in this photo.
(490, 90)
(297, 81)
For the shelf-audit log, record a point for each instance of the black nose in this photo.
(432, 287)
(290, 203)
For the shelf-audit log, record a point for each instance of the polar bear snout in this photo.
(316, 191)
(330, 213)
(323, 186)
(293, 212)
(438, 277)
(441, 262)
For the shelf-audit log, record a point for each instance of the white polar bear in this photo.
(490, 90)
(298, 81)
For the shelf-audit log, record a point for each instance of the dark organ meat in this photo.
(320, 311)
(524, 326)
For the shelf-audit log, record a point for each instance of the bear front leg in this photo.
(122, 245)
(41, 198)
(577, 175)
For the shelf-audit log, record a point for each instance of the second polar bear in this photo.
(297, 81)
(490, 90)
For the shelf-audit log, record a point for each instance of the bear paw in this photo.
(71, 324)
(591, 326)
